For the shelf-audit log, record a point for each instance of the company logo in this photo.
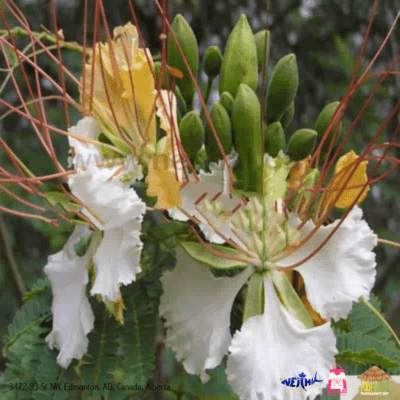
(300, 381)
(374, 381)
(337, 381)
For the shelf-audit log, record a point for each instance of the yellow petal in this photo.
(163, 183)
(123, 87)
(343, 170)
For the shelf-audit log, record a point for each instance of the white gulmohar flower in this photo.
(203, 301)
(113, 207)
(337, 275)
(72, 315)
(274, 344)
(118, 211)
(340, 272)
(212, 184)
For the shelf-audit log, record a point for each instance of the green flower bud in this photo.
(239, 64)
(192, 134)
(248, 141)
(212, 61)
(227, 101)
(223, 128)
(260, 38)
(288, 115)
(188, 42)
(301, 144)
(282, 87)
(274, 138)
(157, 70)
(322, 123)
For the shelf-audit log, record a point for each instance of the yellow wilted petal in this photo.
(163, 183)
(358, 177)
(298, 173)
(123, 87)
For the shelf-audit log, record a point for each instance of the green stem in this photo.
(181, 392)
(18, 31)
(207, 95)
(381, 318)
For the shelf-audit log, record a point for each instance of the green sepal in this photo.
(260, 38)
(301, 144)
(192, 134)
(322, 123)
(290, 299)
(223, 128)
(274, 138)
(239, 64)
(227, 101)
(246, 116)
(287, 116)
(212, 61)
(198, 253)
(254, 297)
(188, 43)
(282, 87)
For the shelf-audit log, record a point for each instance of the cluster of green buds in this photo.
(241, 118)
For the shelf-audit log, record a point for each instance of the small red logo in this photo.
(337, 381)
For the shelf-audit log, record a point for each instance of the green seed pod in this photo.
(260, 38)
(239, 64)
(192, 134)
(212, 61)
(301, 144)
(227, 101)
(166, 81)
(188, 42)
(282, 87)
(247, 136)
(223, 128)
(288, 116)
(274, 138)
(322, 123)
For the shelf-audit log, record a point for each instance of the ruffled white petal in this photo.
(343, 270)
(197, 308)
(85, 153)
(112, 201)
(117, 259)
(72, 315)
(275, 345)
(212, 183)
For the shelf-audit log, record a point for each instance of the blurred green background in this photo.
(325, 35)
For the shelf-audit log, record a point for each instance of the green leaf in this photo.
(58, 198)
(198, 253)
(290, 299)
(364, 350)
(138, 339)
(35, 311)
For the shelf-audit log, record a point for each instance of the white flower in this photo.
(85, 153)
(72, 316)
(118, 211)
(274, 344)
(342, 270)
(214, 183)
(193, 302)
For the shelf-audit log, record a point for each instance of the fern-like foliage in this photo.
(34, 312)
(362, 340)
